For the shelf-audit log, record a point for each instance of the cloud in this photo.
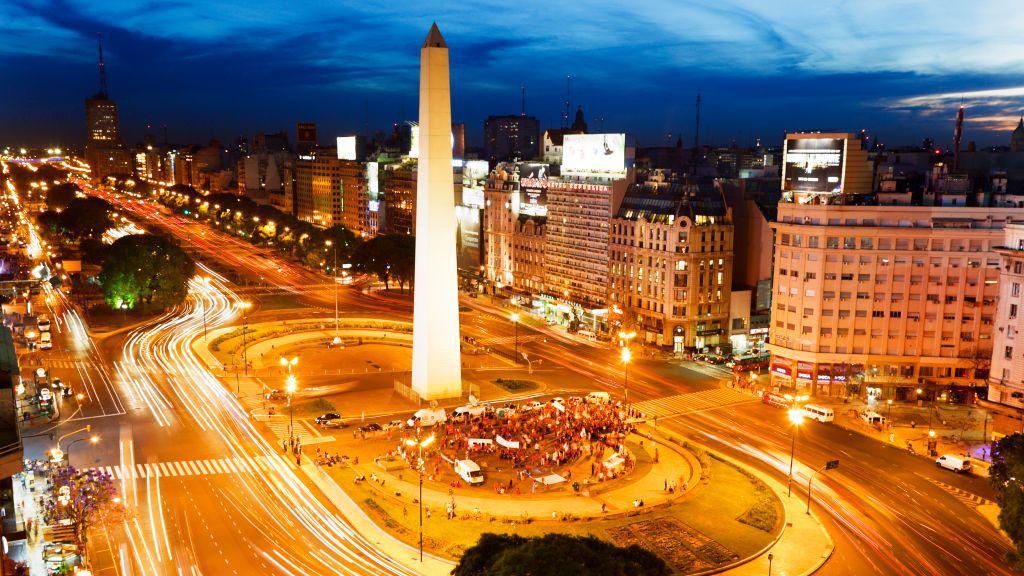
(995, 109)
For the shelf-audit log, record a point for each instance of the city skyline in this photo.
(900, 77)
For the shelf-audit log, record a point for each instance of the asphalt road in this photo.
(890, 512)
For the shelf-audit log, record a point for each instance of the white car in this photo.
(557, 400)
(532, 405)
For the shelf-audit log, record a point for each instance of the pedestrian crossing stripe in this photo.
(970, 499)
(692, 402)
(305, 436)
(207, 467)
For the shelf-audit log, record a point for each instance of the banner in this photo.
(506, 443)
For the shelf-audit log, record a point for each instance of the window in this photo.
(1013, 311)
(866, 243)
(812, 241)
(832, 242)
(895, 314)
(1015, 289)
(878, 313)
(1008, 353)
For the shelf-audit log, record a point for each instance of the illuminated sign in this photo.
(594, 153)
(813, 165)
(533, 189)
(372, 181)
(346, 147)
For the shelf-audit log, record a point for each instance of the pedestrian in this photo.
(298, 460)
(666, 485)
(284, 445)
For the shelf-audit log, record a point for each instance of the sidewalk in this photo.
(803, 546)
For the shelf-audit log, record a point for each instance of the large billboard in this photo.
(468, 252)
(474, 177)
(346, 147)
(533, 189)
(594, 153)
(813, 165)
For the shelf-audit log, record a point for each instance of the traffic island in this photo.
(716, 515)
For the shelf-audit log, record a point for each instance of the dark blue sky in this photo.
(207, 68)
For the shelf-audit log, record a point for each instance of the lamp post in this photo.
(92, 440)
(290, 385)
(625, 355)
(419, 465)
(796, 417)
(515, 320)
(334, 278)
(244, 307)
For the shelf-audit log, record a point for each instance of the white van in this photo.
(871, 417)
(599, 398)
(427, 417)
(471, 410)
(954, 463)
(469, 471)
(819, 413)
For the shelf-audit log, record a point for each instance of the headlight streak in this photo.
(164, 347)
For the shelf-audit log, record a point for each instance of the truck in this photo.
(428, 417)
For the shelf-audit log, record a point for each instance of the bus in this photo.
(751, 363)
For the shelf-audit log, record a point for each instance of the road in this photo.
(890, 512)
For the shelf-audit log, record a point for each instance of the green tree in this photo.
(388, 256)
(83, 497)
(86, 218)
(555, 555)
(1007, 478)
(145, 269)
(50, 223)
(58, 197)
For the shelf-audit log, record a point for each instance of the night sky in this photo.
(223, 69)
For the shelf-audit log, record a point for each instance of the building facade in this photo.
(879, 301)
(511, 138)
(671, 260)
(515, 242)
(330, 191)
(1006, 379)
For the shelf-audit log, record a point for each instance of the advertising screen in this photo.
(533, 189)
(474, 177)
(346, 147)
(813, 165)
(468, 239)
(594, 153)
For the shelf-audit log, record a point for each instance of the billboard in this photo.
(468, 253)
(813, 165)
(474, 177)
(533, 189)
(346, 147)
(590, 153)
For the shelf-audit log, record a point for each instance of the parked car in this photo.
(954, 463)
(820, 413)
(394, 425)
(427, 417)
(532, 405)
(599, 397)
(775, 400)
(557, 400)
(276, 394)
(329, 420)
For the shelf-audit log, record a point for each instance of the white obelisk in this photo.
(436, 365)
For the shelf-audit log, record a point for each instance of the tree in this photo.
(387, 256)
(86, 217)
(85, 497)
(556, 555)
(146, 269)
(58, 197)
(1007, 478)
(50, 223)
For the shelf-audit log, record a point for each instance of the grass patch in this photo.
(512, 385)
(319, 406)
(763, 514)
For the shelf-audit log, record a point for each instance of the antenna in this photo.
(696, 130)
(522, 100)
(957, 135)
(102, 68)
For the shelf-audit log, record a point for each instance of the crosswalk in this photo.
(206, 467)
(714, 370)
(969, 499)
(692, 402)
(303, 431)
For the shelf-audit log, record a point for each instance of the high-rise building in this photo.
(511, 138)
(1006, 379)
(330, 191)
(671, 260)
(305, 137)
(104, 150)
(514, 229)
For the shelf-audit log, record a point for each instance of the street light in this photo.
(625, 355)
(289, 362)
(419, 465)
(796, 417)
(334, 278)
(290, 386)
(244, 307)
(515, 320)
(92, 440)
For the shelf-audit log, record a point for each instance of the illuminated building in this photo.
(511, 138)
(305, 137)
(436, 360)
(398, 195)
(330, 191)
(671, 261)
(1006, 379)
(104, 150)
(514, 239)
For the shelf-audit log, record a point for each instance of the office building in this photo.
(105, 153)
(1006, 378)
(671, 261)
(514, 232)
(511, 138)
(330, 191)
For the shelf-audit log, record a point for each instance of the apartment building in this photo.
(879, 301)
(329, 191)
(1006, 380)
(671, 262)
(514, 246)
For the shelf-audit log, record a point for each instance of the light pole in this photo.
(92, 440)
(796, 417)
(289, 362)
(290, 385)
(334, 278)
(244, 307)
(419, 465)
(515, 320)
(626, 355)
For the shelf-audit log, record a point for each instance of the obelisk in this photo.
(436, 365)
